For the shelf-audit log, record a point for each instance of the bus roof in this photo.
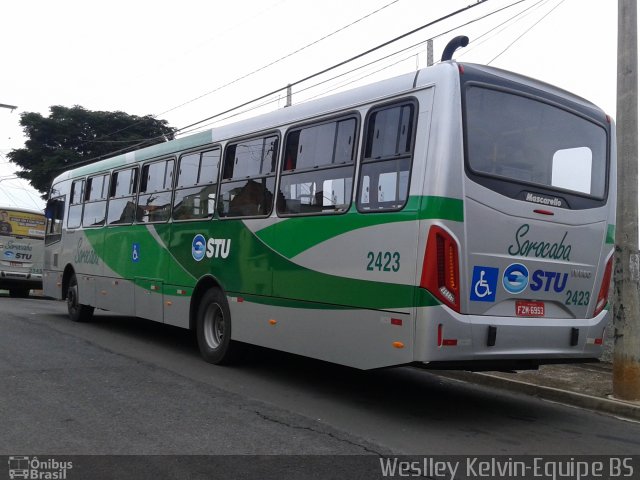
(314, 108)
(21, 210)
(271, 120)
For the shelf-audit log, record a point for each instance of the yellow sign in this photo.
(21, 224)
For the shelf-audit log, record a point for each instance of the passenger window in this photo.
(74, 219)
(386, 166)
(197, 183)
(248, 179)
(157, 176)
(124, 182)
(154, 201)
(122, 200)
(317, 172)
(95, 207)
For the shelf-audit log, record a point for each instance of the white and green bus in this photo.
(457, 217)
(21, 250)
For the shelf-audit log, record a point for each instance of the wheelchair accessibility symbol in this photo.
(135, 252)
(483, 284)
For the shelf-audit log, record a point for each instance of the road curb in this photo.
(610, 406)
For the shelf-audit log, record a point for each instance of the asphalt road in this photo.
(125, 386)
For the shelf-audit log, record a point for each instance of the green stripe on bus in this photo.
(268, 274)
(611, 234)
(311, 231)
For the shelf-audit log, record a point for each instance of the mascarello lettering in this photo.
(554, 202)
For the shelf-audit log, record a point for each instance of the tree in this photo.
(71, 136)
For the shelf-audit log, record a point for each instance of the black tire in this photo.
(77, 311)
(19, 292)
(213, 329)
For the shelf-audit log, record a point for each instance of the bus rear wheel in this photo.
(213, 329)
(77, 311)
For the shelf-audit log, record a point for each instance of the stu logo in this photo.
(515, 278)
(212, 248)
(541, 280)
(218, 247)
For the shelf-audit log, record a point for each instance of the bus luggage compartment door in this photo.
(149, 298)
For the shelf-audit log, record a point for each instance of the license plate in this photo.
(15, 264)
(529, 309)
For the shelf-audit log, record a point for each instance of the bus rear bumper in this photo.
(9, 279)
(443, 335)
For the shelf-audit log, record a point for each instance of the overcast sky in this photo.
(171, 59)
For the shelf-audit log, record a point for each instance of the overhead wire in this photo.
(418, 45)
(262, 97)
(525, 32)
(481, 39)
(220, 116)
(351, 59)
(8, 194)
(360, 67)
(284, 57)
(257, 70)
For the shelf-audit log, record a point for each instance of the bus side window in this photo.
(386, 165)
(74, 219)
(122, 200)
(317, 172)
(196, 185)
(156, 183)
(249, 178)
(95, 207)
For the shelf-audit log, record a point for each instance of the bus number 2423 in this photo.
(383, 261)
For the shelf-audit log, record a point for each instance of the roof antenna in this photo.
(452, 46)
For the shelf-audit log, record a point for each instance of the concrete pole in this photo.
(289, 96)
(626, 353)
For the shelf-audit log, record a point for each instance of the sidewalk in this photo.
(583, 385)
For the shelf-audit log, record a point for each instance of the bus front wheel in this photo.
(77, 311)
(213, 329)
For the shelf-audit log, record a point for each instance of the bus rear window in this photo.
(524, 140)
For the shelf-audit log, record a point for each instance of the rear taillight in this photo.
(603, 296)
(440, 271)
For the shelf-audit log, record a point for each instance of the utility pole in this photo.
(289, 96)
(626, 353)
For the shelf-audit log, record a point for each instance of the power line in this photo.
(309, 77)
(283, 57)
(525, 32)
(186, 130)
(189, 128)
(238, 79)
(344, 62)
(476, 42)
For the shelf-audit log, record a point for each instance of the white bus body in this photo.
(457, 217)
